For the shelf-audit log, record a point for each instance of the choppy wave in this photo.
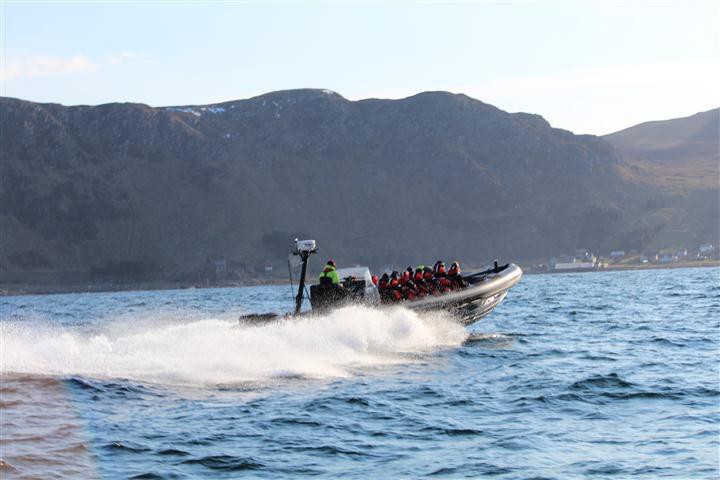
(216, 351)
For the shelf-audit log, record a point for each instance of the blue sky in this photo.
(590, 67)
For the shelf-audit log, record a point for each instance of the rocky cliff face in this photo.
(375, 181)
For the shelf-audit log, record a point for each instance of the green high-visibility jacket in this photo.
(330, 272)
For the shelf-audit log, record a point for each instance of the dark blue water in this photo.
(598, 375)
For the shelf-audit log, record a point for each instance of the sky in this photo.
(586, 66)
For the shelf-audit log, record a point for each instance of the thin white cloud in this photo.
(121, 57)
(41, 66)
(44, 66)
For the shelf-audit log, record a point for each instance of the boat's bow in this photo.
(485, 291)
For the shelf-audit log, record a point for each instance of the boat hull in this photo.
(485, 291)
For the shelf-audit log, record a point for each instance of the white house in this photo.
(706, 248)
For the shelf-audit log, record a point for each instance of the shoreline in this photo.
(635, 266)
(16, 290)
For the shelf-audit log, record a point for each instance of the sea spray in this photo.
(212, 351)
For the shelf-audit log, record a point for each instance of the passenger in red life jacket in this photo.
(409, 292)
(419, 281)
(395, 291)
(430, 281)
(455, 276)
(441, 276)
(374, 279)
(383, 287)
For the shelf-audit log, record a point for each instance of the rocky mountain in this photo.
(672, 141)
(156, 191)
(678, 162)
(678, 152)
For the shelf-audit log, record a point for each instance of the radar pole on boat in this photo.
(303, 248)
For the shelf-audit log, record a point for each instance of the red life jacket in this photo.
(455, 277)
(444, 283)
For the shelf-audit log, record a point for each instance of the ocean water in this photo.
(597, 375)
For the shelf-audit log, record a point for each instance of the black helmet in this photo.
(331, 263)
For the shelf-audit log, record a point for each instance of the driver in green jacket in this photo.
(329, 275)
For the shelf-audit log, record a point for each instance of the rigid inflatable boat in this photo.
(484, 291)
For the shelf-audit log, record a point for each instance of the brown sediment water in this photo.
(41, 434)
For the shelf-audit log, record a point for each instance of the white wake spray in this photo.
(215, 351)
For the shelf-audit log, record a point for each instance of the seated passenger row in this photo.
(422, 281)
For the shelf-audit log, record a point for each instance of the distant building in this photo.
(706, 248)
(667, 258)
(615, 254)
(582, 253)
(584, 263)
(575, 267)
(268, 266)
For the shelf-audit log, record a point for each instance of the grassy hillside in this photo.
(680, 154)
(677, 162)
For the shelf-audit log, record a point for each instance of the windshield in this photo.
(360, 273)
